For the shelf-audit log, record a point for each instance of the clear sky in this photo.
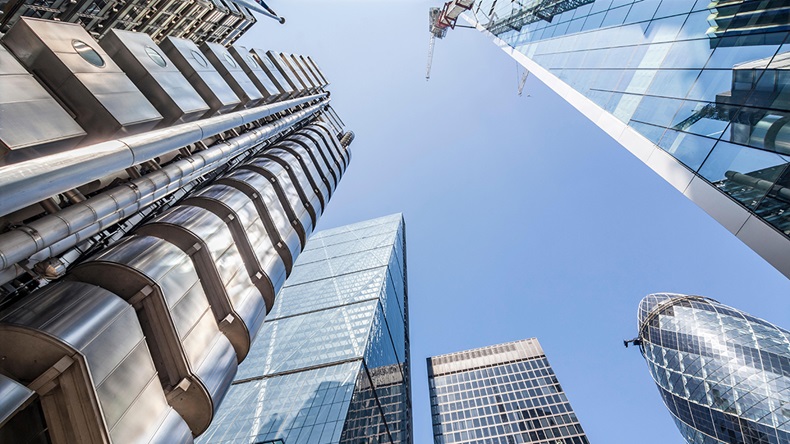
(523, 218)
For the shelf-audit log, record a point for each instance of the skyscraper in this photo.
(501, 394)
(331, 364)
(724, 375)
(698, 91)
(155, 195)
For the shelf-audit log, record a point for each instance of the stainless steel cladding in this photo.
(273, 73)
(237, 302)
(315, 198)
(155, 75)
(314, 71)
(286, 72)
(297, 73)
(22, 101)
(81, 349)
(195, 362)
(234, 75)
(306, 74)
(201, 74)
(258, 76)
(78, 71)
(280, 220)
(317, 69)
(250, 233)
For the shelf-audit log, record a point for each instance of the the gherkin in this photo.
(724, 375)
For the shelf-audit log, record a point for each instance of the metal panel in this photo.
(280, 221)
(201, 75)
(285, 72)
(22, 101)
(318, 70)
(313, 70)
(249, 233)
(233, 73)
(291, 194)
(237, 303)
(318, 150)
(13, 397)
(339, 153)
(64, 56)
(82, 346)
(258, 76)
(304, 172)
(273, 73)
(195, 362)
(296, 62)
(295, 71)
(155, 75)
(328, 149)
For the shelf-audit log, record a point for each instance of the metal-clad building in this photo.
(331, 364)
(724, 375)
(697, 90)
(500, 394)
(149, 217)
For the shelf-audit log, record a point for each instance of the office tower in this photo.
(501, 394)
(696, 90)
(331, 364)
(154, 198)
(217, 21)
(724, 375)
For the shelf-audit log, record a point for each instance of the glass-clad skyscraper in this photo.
(500, 394)
(698, 90)
(723, 374)
(331, 363)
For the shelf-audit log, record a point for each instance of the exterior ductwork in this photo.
(259, 78)
(233, 74)
(273, 73)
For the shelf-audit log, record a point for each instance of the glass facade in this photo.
(331, 362)
(704, 81)
(724, 375)
(501, 394)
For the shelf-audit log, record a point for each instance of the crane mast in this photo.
(441, 19)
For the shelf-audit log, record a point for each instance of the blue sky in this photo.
(523, 218)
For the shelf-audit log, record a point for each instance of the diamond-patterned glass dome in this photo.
(723, 374)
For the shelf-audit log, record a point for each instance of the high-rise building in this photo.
(155, 195)
(724, 375)
(331, 364)
(500, 394)
(697, 90)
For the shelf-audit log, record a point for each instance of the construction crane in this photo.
(439, 20)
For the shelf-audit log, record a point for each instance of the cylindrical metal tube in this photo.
(121, 202)
(37, 179)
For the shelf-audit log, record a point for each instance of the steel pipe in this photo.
(74, 224)
(37, 179)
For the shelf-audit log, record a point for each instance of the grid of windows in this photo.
(708, 82)
(330, 363)
(500, 395)
(723, 374)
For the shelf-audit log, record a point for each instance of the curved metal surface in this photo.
(313, 70)
(334, 150)
(326, 151)
(82, 346)
(155, 75)
(304, 149)
(311, 186)
(122, 201)
(342, 151)
(233, 74)
(159, 280)
(38, 179)
(289, 192)
(279, 65)
(206, 238)
(249, 233)
(13, 397)
(279, 220)
(289, 64)
(76, 69)
(201, 74)
(320, 152)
